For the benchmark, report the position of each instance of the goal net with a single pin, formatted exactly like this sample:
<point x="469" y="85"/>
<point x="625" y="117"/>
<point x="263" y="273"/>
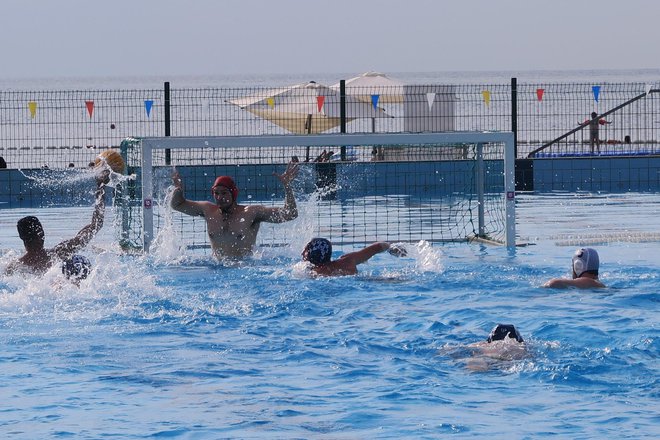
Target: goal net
<point x="350" y="188"/>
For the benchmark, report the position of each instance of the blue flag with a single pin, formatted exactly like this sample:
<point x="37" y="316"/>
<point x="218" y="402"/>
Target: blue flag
<point x="147" y="106"/>
<point x="374" y="100"/>
<point x="596" y="90"/>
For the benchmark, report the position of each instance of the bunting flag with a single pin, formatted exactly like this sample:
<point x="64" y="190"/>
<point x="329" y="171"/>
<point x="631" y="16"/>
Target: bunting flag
<point x="539" y="94"/>
<point x="648" y="89"/>
<point x="147" y="107"/>
<point x="33" y="109"/>
<point x="596" y="90"/>
<point x="90" y="107"/>
<point x="319" y="102"/>
<point x="486" y="96"/>
<point x="374" y="101"/>
<point x="271" y="102"/>
<point x="430" y="98"/>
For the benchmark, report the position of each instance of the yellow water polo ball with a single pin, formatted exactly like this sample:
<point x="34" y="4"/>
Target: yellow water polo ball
<point x="112" y="158"/>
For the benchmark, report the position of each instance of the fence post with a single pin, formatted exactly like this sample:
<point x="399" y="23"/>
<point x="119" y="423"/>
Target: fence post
<point x="342" y="115"/>
<point x="514" y="115"/>
<point x="168" y="157"/>
<point x="524" y="168"/>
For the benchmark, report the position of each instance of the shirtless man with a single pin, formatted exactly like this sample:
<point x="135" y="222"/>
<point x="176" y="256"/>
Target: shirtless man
<point x="37" y="258"/>
<point x="319" y="252"/>
<point x="585" y="272"/>
<point x="233" y="228"/>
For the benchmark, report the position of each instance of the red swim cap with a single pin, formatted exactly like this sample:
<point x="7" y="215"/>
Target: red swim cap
<point x="228" y="183"/>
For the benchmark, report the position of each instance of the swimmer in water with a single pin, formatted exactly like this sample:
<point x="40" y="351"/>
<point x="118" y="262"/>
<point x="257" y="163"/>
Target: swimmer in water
<point x="318" y="252"/>
<point x="37" y="259"/>
<point x="584" y="266"/>
<point x="503" y="345"/>
<point x="233" y="228"/>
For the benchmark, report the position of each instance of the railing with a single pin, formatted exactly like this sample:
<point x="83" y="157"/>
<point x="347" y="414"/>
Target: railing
<point x="595" y="124"/>
<point x="60" y="129"/>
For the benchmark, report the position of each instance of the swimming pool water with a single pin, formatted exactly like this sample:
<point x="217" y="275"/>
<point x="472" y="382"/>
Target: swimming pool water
<point x="182" y="347"/>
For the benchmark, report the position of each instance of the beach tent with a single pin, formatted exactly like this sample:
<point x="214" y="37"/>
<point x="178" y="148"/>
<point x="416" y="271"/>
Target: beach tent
<point x="306" y="108"/>
<point x="370" y="84"/>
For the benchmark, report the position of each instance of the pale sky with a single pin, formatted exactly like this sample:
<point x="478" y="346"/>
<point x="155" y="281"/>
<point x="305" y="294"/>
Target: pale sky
<point x="73" y="38"/>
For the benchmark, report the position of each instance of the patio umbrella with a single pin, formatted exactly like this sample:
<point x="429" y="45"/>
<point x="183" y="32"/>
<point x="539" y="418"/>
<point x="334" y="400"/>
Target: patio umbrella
<point x="370" y="84"/>
<point x="306" y="108"/>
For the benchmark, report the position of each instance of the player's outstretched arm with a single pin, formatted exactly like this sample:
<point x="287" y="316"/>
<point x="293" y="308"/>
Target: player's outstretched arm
<point x="179" y="202"/>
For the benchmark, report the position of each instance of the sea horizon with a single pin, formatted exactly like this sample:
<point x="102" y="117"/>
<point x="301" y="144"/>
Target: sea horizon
<point x="236" y="80"/>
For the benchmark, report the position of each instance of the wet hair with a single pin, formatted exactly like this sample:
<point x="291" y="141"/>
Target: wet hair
<point x="318" y="251"/>
<point x="77" y="267"/>
<point x="585" y="260"/>
<point x="501" y="331"/>
<point x="29" y="228"/>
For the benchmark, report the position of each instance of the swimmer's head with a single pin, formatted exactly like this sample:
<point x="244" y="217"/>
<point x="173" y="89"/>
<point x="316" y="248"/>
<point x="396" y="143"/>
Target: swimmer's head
<point x="593" y="115"/>
<point x="502" y="331"/>
<point x="29" y="229"/>
<point x="76" y="267"/>
<point x="228" y="183"/>
<point x="585" y="260"/>
<point x="318" y="251"/>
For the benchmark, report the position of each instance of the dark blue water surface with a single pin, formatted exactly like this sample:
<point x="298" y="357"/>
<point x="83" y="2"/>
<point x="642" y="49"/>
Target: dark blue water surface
<point x="181" y="347"/>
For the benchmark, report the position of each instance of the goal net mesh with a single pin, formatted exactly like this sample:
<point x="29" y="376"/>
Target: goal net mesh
<point x="354" y="194"/>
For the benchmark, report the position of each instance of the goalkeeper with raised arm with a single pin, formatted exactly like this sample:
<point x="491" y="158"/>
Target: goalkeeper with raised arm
<point x="233" y="228"/>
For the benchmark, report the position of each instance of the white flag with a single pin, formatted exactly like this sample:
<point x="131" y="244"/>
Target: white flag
<point x="430" y="97"/>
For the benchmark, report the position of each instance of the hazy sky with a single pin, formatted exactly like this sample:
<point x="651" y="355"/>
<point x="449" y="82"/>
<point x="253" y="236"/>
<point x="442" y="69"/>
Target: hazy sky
<point x="45" y="38"/>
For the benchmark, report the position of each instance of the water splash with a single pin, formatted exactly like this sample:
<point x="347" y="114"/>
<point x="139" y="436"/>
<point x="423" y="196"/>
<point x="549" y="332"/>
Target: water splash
<point x="427" y="258"/>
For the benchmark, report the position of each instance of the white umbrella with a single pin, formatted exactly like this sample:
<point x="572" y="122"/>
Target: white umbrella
<point x="306" y="108"/>
<point x="370" y="84"/>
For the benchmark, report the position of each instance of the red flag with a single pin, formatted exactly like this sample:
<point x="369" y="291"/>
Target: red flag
<point x="539" y="94"/>
<point x="90" y="107"/>
<point x="319" y="102"/>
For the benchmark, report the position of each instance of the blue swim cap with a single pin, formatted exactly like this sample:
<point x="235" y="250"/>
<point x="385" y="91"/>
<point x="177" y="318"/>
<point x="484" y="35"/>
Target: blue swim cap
<point x="585" y="260"/>
<point x="501" y="331"/>
<point x="76" y="267"/>
<point x="318" y="251"/>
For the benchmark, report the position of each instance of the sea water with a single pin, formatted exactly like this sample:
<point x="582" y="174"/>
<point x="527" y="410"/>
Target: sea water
<point x="594" y="76"/>
<point x="180" y="346"/>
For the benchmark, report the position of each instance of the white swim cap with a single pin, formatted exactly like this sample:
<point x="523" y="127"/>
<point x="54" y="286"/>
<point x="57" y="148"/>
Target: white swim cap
<point x="585" y="259"/>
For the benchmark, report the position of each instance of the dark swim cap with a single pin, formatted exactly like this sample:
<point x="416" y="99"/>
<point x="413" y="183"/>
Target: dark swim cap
<point x="76" y="267"/>
<point x="501" y="331"/>
<point x="318" y="251"/>
<point x="30" y="228"/>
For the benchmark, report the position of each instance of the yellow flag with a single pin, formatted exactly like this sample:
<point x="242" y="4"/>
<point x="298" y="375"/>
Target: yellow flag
<point x="271" y="102"/>
<point x="33" y="109"/>
<point x="486" y="95"/>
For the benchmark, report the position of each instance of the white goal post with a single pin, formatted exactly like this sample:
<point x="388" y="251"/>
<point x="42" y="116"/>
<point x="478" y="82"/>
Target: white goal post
<point x="150" y="145"/>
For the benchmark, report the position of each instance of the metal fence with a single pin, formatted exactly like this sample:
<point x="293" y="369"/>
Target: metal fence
<point x="61" y="129"/>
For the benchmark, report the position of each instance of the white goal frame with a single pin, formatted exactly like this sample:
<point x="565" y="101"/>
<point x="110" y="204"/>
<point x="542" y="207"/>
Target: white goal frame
<point x="149" y="144"/>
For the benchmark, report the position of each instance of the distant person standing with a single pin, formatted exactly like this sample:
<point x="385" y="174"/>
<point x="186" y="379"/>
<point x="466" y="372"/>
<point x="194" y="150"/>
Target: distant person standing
<point x="594" y="130"/>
